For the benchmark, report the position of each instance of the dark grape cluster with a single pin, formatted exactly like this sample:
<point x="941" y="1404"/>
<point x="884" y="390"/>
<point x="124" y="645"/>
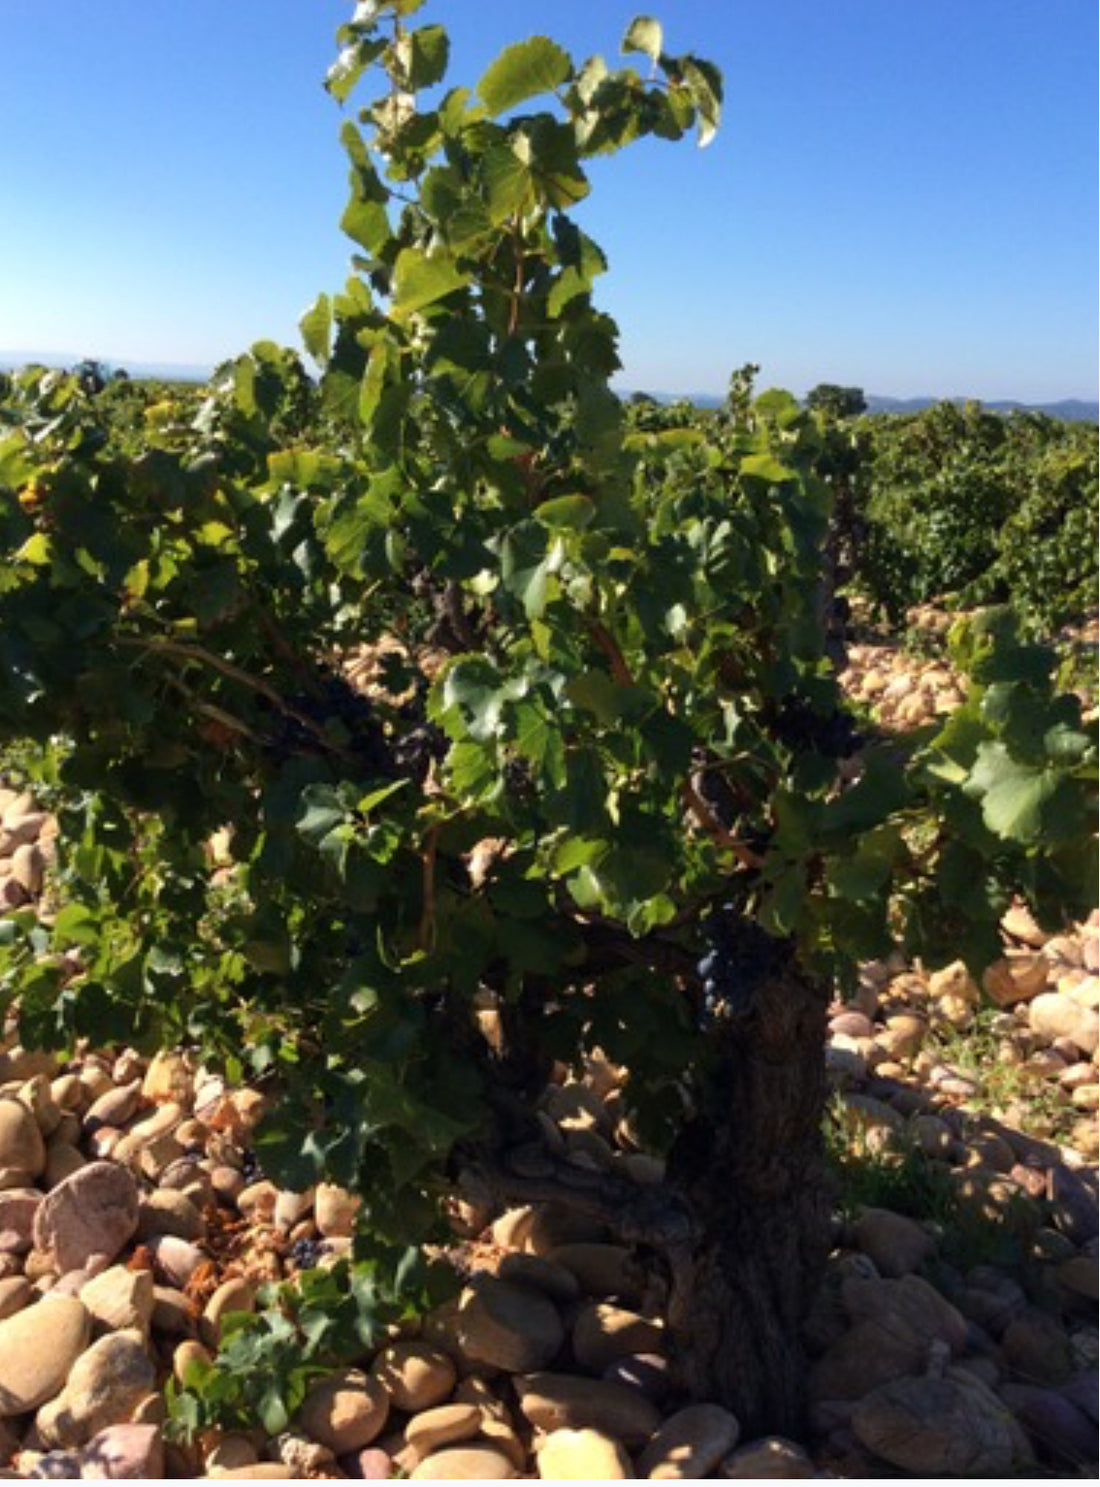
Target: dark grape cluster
<point x="305" y="1253"/>
<point x="798" y="725"/>
<point x="417" y="749"/>
<point x="518" y="784"/>
<point x="719" y="797"/>
<point x="740" y="957"/>
<point x="251" y="1170"/>
<point x="333" y="701"/>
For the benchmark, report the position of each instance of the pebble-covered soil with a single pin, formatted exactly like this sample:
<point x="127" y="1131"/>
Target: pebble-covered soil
<point x="955" y="1333"/>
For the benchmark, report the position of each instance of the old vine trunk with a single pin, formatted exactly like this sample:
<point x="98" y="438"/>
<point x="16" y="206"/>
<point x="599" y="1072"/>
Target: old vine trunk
<point x="751" y="1169"/>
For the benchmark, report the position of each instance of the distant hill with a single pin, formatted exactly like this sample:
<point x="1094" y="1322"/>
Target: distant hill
<point x="164" y="371"/>
<point x="1074" y="410"/>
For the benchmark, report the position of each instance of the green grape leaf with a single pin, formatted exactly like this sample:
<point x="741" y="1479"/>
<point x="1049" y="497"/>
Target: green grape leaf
<point x="522" y="71"/>
<point x="644" y="34"/>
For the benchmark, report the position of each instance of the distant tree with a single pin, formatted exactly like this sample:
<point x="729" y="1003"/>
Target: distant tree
<point x="93" y="375"/>
<point x="120" y="374"/>
<point x="837" y="402"/>
<point x="643" y="399"/>
<point x="742" y="381"/>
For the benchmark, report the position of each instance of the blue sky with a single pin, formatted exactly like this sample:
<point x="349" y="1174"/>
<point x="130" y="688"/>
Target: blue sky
<point x="902" y="196"/>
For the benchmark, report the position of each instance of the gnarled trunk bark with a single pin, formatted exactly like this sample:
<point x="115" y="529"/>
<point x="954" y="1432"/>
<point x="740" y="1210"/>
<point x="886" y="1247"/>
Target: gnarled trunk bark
<point x="750" y="1168"/>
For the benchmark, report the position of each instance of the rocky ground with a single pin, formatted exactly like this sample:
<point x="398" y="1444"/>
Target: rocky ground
<point x="955" y="1333"/>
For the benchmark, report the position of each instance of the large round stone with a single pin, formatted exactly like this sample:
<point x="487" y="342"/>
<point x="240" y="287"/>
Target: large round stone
<point x="93" y="1212"/>
<point x="414" y="1375"/>
<point x="508" y="1326"/>
<point x="464" y="1464"/>
<point x="22" y="1149"/>
<point x="104" y="1387"/>
<point x="345" y="1412"/>
<point x="691" y="1443"/>
<point x="38" y="1347"/>
<point x="950" y="1427"/>
<point x="603" y="1333"/>
<point x="558" y="1401"/>
<point x="583" y="1456"/>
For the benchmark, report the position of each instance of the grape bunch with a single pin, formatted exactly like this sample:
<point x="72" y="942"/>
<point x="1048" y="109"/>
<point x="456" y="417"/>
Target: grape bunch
<point x="739" y="958"/>
<point x="333" y="701"/>
<point x="416" y="750"/>
<point x="305" y="1253"/>
<point x="802" y="728"/>
<point x="251" y="1170"/>
<point x="518" y="785"/>
<point x="718" y="796"/>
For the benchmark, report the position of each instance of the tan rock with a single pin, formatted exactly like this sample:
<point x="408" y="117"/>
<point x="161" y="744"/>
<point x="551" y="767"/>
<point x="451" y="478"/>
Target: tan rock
<point x="167" y="1211"/>
<point x="602" y="1333"/>
<point x="169" y="1079"/>
<point x="18" y="1207"/>
<point x="231" y="1451"/>
<point x="119" y="1298"/>
<point x="1015" y="978"/>
<point x="903" y="1035"/>
<point x="511" y="1229"/>
<point x="601" y="1269"/>
<point x="259" y="1471"/>
<point x="508" y="1326"/>
<point x="291" y="1208"/>
<point x="952" y="1427"/>
<point x="1020" y="923"/>
<point x="114" y="1105"/>
<point x="540" y="1274"/>
<point x="345" y="1411"/>
<point x="62" y="1160"/>
<point x="150" y="1129"/>
<point x="553" y="1225"/>
<point x="444" y="1425"/>
<point x="38" y="1347"/>
<point x="22" y="1149"/>
<point x="93" y="1212"/>
<point x="414" y="1375"/>
<point x="28" y="868"/>
<point x="897" y="1244"/>
<point x="173" y="1314"/>
<point x="690" y="1443"/>
<point x="769" y="1458"/>
<point x="15" y="1294"/>
<point x="894" y="1325"/>
<point x="584" y="1456"/>
<point x="1058" y="1015"/>
<point x="555" y="1401"/>
<point x="257" y="1201"/>
<point x="104" y="1387"/>
<point x="37" y="1095"/>
<point x="233" y="1295"/>
<point x="186" y="1356"/>
<point x="464" y="1463"/>
<point x="334" y="1210"/>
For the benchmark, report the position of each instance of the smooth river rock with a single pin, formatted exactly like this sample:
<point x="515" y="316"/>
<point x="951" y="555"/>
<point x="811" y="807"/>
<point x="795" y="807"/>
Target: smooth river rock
<point x="92" y="1213"/>
<point x="508" y="1326"/>
<point x="558" y="1401"/>
<point x="949" y="1427"/>
<point x="104" y="1387"/>
<point x="38" y="1347"/>
<point x="583" y="1456"/>
<point x="690" y="1443"/>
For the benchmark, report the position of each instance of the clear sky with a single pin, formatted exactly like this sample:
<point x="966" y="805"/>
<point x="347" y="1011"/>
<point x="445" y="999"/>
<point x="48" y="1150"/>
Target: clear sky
<point x="902" y="196"/>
